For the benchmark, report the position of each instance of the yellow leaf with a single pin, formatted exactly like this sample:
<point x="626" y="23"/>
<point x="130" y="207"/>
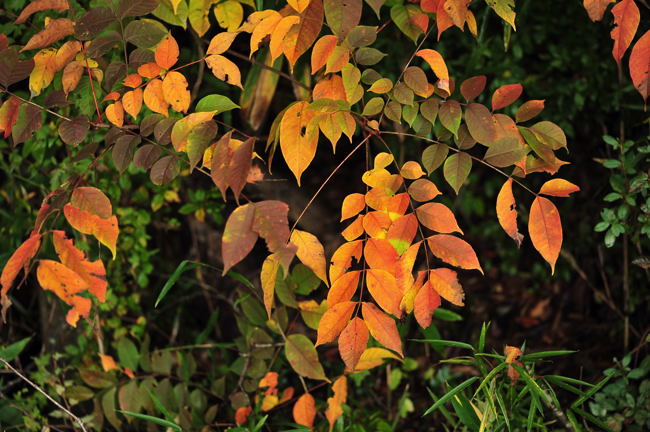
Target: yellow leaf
<point x="132" y="102"/>
<point x="154" y="97"/>
<point x="104" y="229"/>
<point x="310" y="252"/>
<point x="43" y="73"/>
<point x="298" y="5"/>
<point x="298" y="138"/>
<point x="373" y="357"/>
<point x="175" y="91"/>
<point x="229" y="14"/>
<point x="115" y="113"/>
<point x="268" y="277"/>
<point x="221" y="43"/>
<point x="322" y="50"/>
<point x="66" y="284"/>
<point x="304" y="410"/>
<point x="224" y="69"/>
<point x="198" y="15"/>
<point x="263" y="29"/>
<point x="280" y="31"/>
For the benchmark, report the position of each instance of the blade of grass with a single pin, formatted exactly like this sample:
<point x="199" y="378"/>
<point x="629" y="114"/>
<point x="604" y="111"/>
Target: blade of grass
<point x="152" y="419"/>
<point x="450" y="394"/>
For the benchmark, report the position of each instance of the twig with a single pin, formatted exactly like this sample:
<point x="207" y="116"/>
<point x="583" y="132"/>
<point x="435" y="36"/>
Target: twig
<point x="40" y="390"/>
<point x="269" y="68"/>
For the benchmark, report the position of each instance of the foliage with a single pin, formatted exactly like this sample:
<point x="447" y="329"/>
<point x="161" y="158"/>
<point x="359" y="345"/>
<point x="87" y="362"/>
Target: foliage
<point x="114" y="81"/>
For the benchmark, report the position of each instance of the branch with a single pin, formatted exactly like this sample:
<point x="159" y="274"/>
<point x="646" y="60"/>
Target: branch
<point x="40" y="390"/>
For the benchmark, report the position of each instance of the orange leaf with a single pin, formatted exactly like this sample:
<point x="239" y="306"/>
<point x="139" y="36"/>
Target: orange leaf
<point x="353" y="204"/>
<point x="545" y="229"/>
<point x="382" y="327"/>
<point x="445" y="282"/>
<point x="175" y="91"/>
<point x="425" y="304"/>
<point x="411" y="170"/>
<point x="241" y="415"/>
<point x="269" y="380"/>
<point x="41" y="5"/>
<point x="298" y="137"/>
<point x="154" y="97"/>
<point x="132" y="102"/>
<point x="342" y="258"/>
<point x="231" y="163"/>
<point x="353" y="341"/>
<point x="238" y="236"/>
<point x="310" y="252"/>
<point x="329" y="88"/>
<point x="104" y="229"/>
<point x="383" y="288"/>
<point x="423" y="190"/>
<point x="72" y="74"/>
<point x="108" y="363"/>
<point x="304" y="410"/>
<point x="166" y="54"/>
<point x="67" y="51"/>
<point x="404" y="268"/>
<point x="376" y="224"/>
<point x="224" y="69"/>
<point x="558" y="187"/>
<point x="20" y="259"/>
<point x="133" y="80"/>
<point x="279" y="33"/>
<point x="9" y="115"/>
<point x="506" y="95"/>
<point x="507" y="212"/>
<point x="528" y="110"/>
<point x="322" y="51"/>
<point x="115" y="113"/>
<point x="298" y="5"/>
<point x="437" y="217"/>
<point x="402" y="232"/>
<point x="344" y="288"/>
<point x="626" y="21"/>
<point x="54" y="31"/>
<point x="640" y="65"/>
<point x="221" y="43"/>
<point x="340" y="388"/>
<point x="454" y="251"/>
<point x="149" y="70"/>
<point x="380" y="254"/>
<point x="438" y="66"/>
<point x="596" y="8"/>
<point x="302" y="36"/>
<point x="457" y="11"/>
<point x="65" y="283"/>
<point x="334" y="321"/>
<point x="264" y="28"/>
<point x="354" y="230"/>
<point x="92" y="272"/>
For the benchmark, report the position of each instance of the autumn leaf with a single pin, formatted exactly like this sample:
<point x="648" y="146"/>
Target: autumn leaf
<point x="445" y="282"/>
<point x="507" y="212"/>
<point x="427" y="300"/>
<point x="454" y="251"/>
<point x="437" y="217"/>
<point x="115" y="113"/>
<point x="263" y="28"/>
<point x="41" y="5"/>
<point x="334" y="409"/>
<point x="224" y="69"/>
<point x="545" y="229"/>
<point x="175" y="92"/>
<point x="66" y="284"/>
<point x="344" y="288"/>
<point x="154" y="97"/>
<point x="43" y="72"/>
<point x="373" y="357"/>
<point x="480" y="123"/>
<point x="241" y="414"/>
<point x="9" y="115"/>
<point x="456" y="169"/>
<point x="166" y="54"/>
<point x="279" y="33"/>
<point x="231" y="163"/>
<point x="310" y="252"/>
<point x="640" y="65"/>
<point x="438" y="66"/>
<point x="132" y="102"/>
<point x="304" y="410"/>
<point x="303" y="358"/>
<point x="354" y="230"/>
<point x="334" y="321"/>
<point x="149" y="70"/>
<point x="108" y="363"/>
<point x="626" y="21"/>
<point x="54" y="31"/>
<point x="322" y="50"/>
<point x="353" y="341"/>
<point x="423" y="190"/>
<point x="506" y="95"/>
<point x="558" y="187"/>
<point x="268" y="277"/>
<point x="596" y="8"/>
<point x="298" y="137"/>
<point x="472" y="87"/>
<point x="383" y="288"/>
<point x="302" y="35"/>
<point x="528" y="110"/>
<point x="505" y="9"/>
<point x="229" y="14"/>
<point x="382" y="327"/>
<point x="105" y="230"/>
<point x="20" y="259"/>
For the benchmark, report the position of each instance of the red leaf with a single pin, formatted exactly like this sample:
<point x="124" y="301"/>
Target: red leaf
<point x="545" y="229"/>
<point x="505" y="95"/>
<point x="626" y="21"/>
<point x="454" y="251"/>
<point x="20" y="259"/>
<point x="507" y="212"/>
<point x="640" y="65"/>
<point x="353" y="341"/>
<point x="426" y="302"/>
<point x="382" y="327"/>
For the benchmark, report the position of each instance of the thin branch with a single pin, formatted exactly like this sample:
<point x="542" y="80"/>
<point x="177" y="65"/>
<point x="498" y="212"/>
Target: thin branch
<point x="479" y="160"/>
<point x="269" y="68"/>
<point x="40" y="390"/>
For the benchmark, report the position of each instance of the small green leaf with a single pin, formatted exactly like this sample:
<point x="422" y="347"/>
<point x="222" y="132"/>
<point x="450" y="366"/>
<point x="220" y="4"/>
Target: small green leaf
<point x="152" y="419"/>
<point x="451" y="393"/>
<point x="216" y="103"/>
<point x="12" y="351"/>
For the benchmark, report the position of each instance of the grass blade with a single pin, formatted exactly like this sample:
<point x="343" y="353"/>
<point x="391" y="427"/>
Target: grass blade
<point x="152" y="419"/>
<point x="450" y="394"/>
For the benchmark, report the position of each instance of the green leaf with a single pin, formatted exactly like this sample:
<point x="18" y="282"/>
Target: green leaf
<point x="544" y="354"/>
<point x="402" y="16"/>
<point x="12" y="351"/>
<point x="450" y="114"/>
<point x="216" y="103"/>
<point x="451" y="393"/>
<point x="443" y="342"/>
<point x="152" y="419"/>
<point x="127" y="353"/>
<point x="184" y="266"/>
<point x="456" y="170"/>
<point x="303" y="358"/>
<point x="434" y="155"/>
<point x="446" y="315"/>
